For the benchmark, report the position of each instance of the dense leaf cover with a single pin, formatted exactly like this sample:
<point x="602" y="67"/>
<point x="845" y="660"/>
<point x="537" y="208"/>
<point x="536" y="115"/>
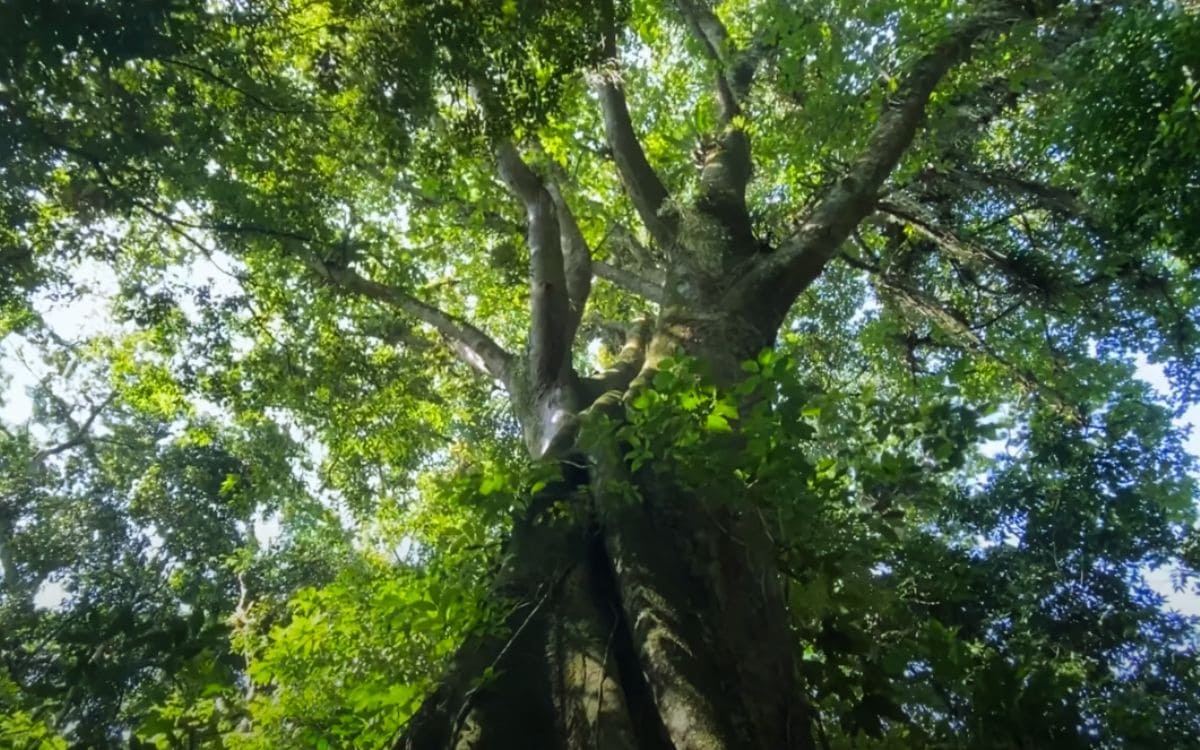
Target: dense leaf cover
<point x="273" y="496"/>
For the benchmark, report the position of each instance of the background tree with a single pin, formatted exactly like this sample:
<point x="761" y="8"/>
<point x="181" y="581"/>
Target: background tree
<point x="642" y="354"/>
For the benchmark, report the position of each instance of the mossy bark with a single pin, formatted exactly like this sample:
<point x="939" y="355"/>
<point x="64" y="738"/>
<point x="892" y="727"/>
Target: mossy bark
<point x="651" y="620"/>
<point x="648" y="627"/>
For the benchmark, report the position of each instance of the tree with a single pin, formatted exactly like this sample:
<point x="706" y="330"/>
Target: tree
<point x="688" y="317"/>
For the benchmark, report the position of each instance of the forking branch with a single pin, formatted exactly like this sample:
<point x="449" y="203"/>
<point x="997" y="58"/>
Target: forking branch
<point x="774" y="283"/>
<point x="577" y="257"/>
<point x="635" y="283"/>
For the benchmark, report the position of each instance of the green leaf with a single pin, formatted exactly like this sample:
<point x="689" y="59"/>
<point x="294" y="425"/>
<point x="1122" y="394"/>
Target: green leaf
<point x="717" y="423"/>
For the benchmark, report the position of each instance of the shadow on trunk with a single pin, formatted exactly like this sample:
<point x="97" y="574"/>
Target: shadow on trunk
<point x="644" y="624"/>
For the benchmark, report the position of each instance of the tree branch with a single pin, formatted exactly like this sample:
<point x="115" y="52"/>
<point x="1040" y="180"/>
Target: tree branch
<point x="1044" y="280"/>
<point x="952" y="324"/>
<point x="650" y="289"/>
<point x="79" y="434"/>
<point x="248" y="95"/>
<point x="642" y="184"/>
<point x="955" y="326"/>
<point x="725" y="164"/>
<point x="735" y="69"/>
<point x="461" y="210"/>
<point x="954" y="246"/>
<point x="553" y="321"/>
<point x="625" y="243"/>
<point x="471" y="345"/>
<point x="602" y="391"/>
<point x="779" y="279"/>
<point x="1056" y="199"/>
<point x="577" y="257"/>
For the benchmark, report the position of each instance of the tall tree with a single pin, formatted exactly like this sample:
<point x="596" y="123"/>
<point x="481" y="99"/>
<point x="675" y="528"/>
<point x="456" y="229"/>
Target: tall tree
<point x="744" y="283"/>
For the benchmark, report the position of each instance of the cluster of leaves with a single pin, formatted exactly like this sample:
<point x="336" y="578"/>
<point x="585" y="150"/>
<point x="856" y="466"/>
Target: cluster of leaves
<point x="127" y="534"/>
<point x="172" y="578"/>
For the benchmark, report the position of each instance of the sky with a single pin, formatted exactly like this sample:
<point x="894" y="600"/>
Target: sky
<point x="88" y="315"/>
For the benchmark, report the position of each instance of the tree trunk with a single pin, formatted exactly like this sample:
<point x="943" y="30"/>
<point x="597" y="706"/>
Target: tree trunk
<point x="655" y="623"/>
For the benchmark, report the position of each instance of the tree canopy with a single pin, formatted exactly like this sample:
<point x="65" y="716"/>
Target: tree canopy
<point x="320" y="309"/>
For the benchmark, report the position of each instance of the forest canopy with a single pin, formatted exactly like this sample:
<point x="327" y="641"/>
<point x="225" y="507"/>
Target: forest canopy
<point x="647" y="374"/>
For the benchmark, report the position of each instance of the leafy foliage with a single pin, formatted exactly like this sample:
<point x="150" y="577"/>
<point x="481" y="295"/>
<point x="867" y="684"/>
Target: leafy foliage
<point x="251" y="506"/>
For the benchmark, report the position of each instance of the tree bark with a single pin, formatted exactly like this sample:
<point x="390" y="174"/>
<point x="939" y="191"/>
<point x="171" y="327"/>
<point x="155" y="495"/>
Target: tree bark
<point x="651" y="626"/>
<point x="648" y="620"/>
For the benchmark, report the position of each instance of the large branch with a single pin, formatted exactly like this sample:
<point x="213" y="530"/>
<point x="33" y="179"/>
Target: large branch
<point x="460" y="209"/>
<point x="772" y="286"/>
<point x="1056" y="199"/>
<point x="1044" y="279"/>
<point x="642" y="184"/>
<point x="79" y="432"/>
<point x="726" y="164"/>
<point x="650" y="289"/>
<point x="956" y="327"/>
<point x="553" y="322"/>
<point x="471" y="345"/>
<point x="926" y="228"/>
<point x="577" y="256"/>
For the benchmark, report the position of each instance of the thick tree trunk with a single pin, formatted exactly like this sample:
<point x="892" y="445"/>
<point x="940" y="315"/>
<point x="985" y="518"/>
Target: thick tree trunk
<point x="654" y="626"/>
<point x="650" y="624"/>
